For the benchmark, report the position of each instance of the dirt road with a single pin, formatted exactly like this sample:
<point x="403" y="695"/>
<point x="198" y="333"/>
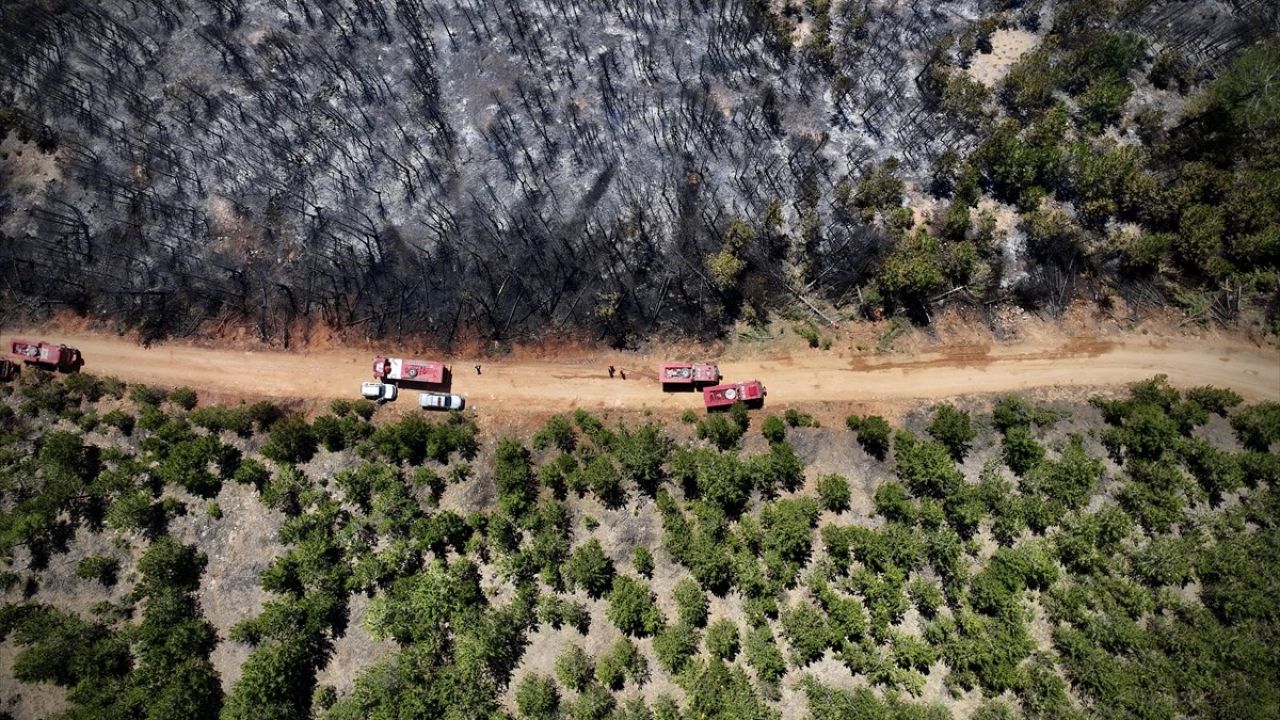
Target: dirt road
<point x="800" y="379"/>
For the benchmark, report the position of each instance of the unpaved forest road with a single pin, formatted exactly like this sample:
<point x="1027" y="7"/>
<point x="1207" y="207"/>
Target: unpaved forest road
<point x="793" y="379"/>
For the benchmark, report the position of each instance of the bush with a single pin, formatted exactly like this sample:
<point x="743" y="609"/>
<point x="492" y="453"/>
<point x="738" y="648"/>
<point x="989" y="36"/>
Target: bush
<point x="119" y="420"/>
<point x="1009" y="571"/>
<point x="251" y="472"/>
<point x="833" y="491"/>
<point x="892" y="502"/>
<point x="642" y="560"/>
<point x="722" y="639"/>
<point x="264" y="414"/>
<point x="807" y="632"/>
<point x="1215" y="400"/>
<point x="953" y="429"/>
<point x="691" y="602"/>
<point x="763" y="655"/>
<point x="926" y="595"/>
<point x="593" y="703"/>
<point x="795" y="418"/>
<point x="184" y="397"/>
<point x="1016" y="411"/>
<point x="675" y="646"/>
<point x="517" y="486"/>
<point x="623" y="661"/>
<point x="720" y="430"/>
<point x="1257" y="426"/>
<point x="143" y="395"/>
<point x="99" y="567"/>
<point x="574" y="669"/>
<point x="215" y="419"/>
<point x="558" y="433"/>
<point x="590" y="569"/>
<point x="773" y="429"/>
<point x="537" y="698"/>
<point x="873" y="434"/>
<point x="925" y="467"/>
<point x="559" y="613"/>
<point x="1021" y="450"/>
<point x="291" y="441"/>
<point x="632" y="607"/>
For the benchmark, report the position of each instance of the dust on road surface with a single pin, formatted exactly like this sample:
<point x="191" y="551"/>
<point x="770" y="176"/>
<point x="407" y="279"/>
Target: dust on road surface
<point x="793" y="379"/>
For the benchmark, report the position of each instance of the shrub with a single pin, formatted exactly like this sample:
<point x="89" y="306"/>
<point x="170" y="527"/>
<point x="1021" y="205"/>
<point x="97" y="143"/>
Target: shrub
<point x="1021" y="450"/>
<point x="642" y="560"/>
<point x="787" y="526"/>
<point x="632" y="607"/>
<point x="795" y="418"/>
<point x="119" y="420"/>
<point x="773" y="429"/>
<point x="184" y="397"/>
<point x="573" y="667"/>
<point x="926" y="595"/>
<point x="925" y="467"/>
<point x="559" y="613"/>
<point x="144" y="395"/>
<point x="722" y="639"/>
<point x="641" y="454"/>
<point x="1016" y="411"/>
<point x="99" y="567"/>
<point x="513" y="475"/>
<point x="720" y="430"/>
<point x="593" y="703"/>
<point x="291" y="441"/>
<point x="623" y="661"/>
<point x="251" y="472"/>
<point x="589" y="568"/>
<point x="1215" y="400"/>
<point x="1009" y="571"/>
<point x="691" y="602"/>
<point x="892" y="502"/>
<point x="833" y="491"/>
<point x="215" y="419"/>
<point x="763" y="655"/>
<point x="325" y="697"/>
<point x="1257" y="426"/>
<point x="558" y="433"/>
<point x="778" y="468"/>
<point x="675" y="646"/>
<point x="953" y="429"/>
<point x="873" y="434"/>
<point x="264" y="414"/>
<point x="150" y="418"/>
<point x="807" y="633"/>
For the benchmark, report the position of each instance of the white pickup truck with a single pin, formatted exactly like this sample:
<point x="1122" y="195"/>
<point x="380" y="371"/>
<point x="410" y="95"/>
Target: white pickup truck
<point x="441" y="401"/>
<point x="378" y="392"/>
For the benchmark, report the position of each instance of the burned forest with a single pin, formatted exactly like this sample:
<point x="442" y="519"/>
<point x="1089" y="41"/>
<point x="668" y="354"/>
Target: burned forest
<point x="506" y="170"/>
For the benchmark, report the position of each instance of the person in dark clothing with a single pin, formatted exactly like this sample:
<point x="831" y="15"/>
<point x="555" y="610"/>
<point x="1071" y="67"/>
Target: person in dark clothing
<point x="477" y="369"/>
<point x="623" y="373"/>
<point x="611" y="371"/>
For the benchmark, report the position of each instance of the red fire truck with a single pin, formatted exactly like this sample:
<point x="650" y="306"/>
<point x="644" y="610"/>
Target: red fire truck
<point x="678" y="374"/>
<point x="46" y="355"/>
<point x="396" y="369"/>
<point x="751" y="392"/>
